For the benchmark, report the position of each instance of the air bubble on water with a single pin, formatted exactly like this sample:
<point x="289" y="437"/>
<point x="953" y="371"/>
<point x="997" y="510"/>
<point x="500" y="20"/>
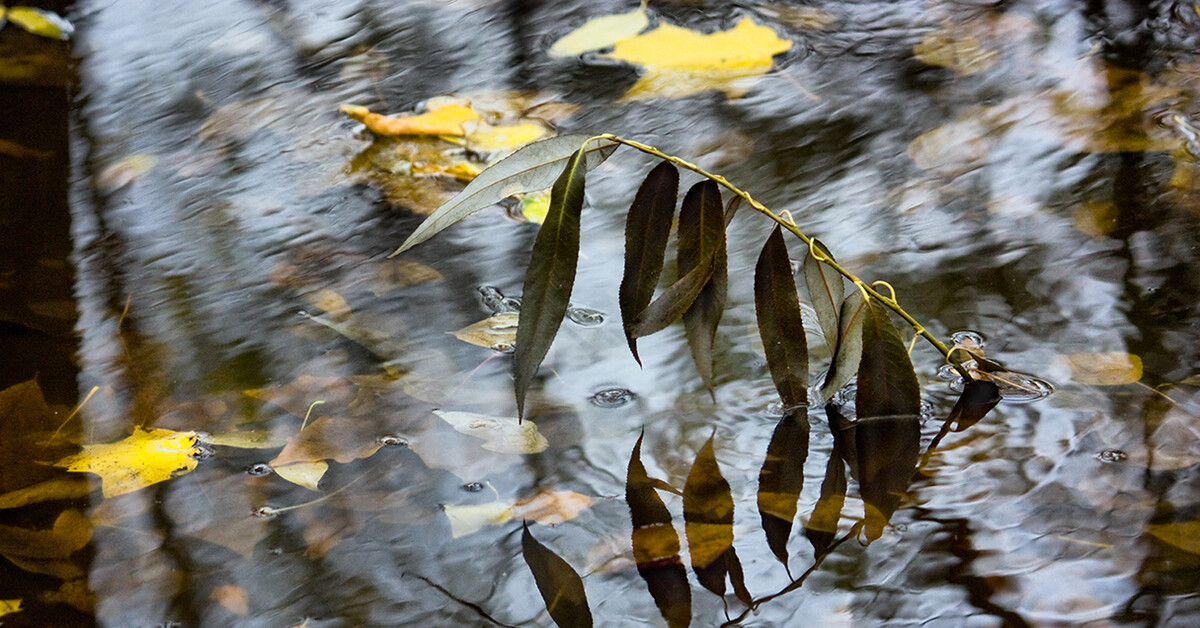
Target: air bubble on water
<point x="392" y="440"/>
<point x="473" y="487"/>
<point x="585" y="316"/>
<point x="612" y="397"/>
<point x="1111" y="456"/>
<point x="260" y="468"/>
<point x="265" y="512"/>
<point x="968" y="336"/>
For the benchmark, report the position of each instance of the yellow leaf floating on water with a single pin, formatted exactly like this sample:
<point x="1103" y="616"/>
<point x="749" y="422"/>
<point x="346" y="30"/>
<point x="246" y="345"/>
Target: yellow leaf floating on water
<point x="143" y="458"/>
<point x="680" y="62"/>
<point x="487" y="138"/>
<point x="498" y="332"/>
<point x="1105" y="369"/>
<point x="40" y="22"/>
<point x="601" y="32"/>
<point x="546" y="508"/>
<point x="8" y="607"/>
<point x="466" y="520"/>
<point x="306" y="474"/>
<point x="504" y="435"/>
<point x="444" y="120"/>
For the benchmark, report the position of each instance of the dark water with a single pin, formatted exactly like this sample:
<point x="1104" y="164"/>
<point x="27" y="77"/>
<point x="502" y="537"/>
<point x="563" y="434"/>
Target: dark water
<point x="192" y="187"/>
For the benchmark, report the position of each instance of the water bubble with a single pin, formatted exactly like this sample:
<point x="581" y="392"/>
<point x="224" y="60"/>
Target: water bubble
<point x="510" y="304"/>
<point x="585" y="316"/>
<point x="503" y="347"/>
<point x="260" y="468"/>
<point x="392" y="440"/>
<point x="472" y="487"/>
<point x="1112" y="455"/>
<point x="968" y="336"/>
<point x="264" y="512"/>
<point x="612" y="397"/>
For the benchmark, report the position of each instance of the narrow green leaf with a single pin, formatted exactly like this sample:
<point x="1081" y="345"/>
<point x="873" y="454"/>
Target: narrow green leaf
<point x="822" y="524"/>
<point x="848" y="348"/>
<point x="656" y="544"/>
<point x="560" y="586"/>
<point x="532" y="167"/>
<point x="887" y="384"/>
<point x="826" y="289"/>
<point x="887" y="449"/>
<point x="708" y="519"/>
<point x="550" y="276"/>
<point x="646" y="230"/>
<point x="674" y="301"/>
<point x="777" y="307"/>
<point x="701" y="237"/>
<point x="782" y="478"/>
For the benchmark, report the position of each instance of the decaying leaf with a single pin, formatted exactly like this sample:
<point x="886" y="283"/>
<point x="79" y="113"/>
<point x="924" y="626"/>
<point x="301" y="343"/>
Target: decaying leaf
<point x="466" y="520"/>
<point x="1113" y="368"/>
<point x="306" y="474"/>
<point x="125" y="171"/>
<point x="445" y="120"/>
<point x="560" y="586"/>
<point x="679" y="62"/>
<point x="48" y="551"/>
<point x="960" y="52"/>
<point x="249" y="439"/>
<point x="601" y="32"/>
<point x="232" y="598"/>
<point x="143" y="458"/>
<point x="552" y="507"/>
<point x="1182" y="534"/>
<point x="506" y="435"/>
<point x="497" y="332"/>
<point x="331" y="438"/>
<point x="50" y="490"/>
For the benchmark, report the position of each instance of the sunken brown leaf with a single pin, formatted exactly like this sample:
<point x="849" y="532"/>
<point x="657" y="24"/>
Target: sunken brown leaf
<point x="646" y="229"/>
<point x="561" y="588"/>
<point x="777" y="307"/>
<point x="550" y="276"/>
<point x="656" y="544"/>
<point x="701" y="237"/>
<point x="782" y="478"/>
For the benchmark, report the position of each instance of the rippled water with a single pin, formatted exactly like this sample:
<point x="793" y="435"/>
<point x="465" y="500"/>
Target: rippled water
<point x="199" y="189"/>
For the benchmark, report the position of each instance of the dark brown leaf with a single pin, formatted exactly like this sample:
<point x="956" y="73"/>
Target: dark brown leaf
<point x="779" y="322"/>
<point x="550" y="276"/>
<point x="848" y="348"/>
<point x="646" y="229"/>
<point x="782" y="478"/>
<point x="887" y="384"/>
<point x="656" y="544"/>
<point x="826" y="289"/>
<point x="701" y="237"/>
<point x="674" y="301"/>
<point x="977" y="399"/>
<point x="708" y="519"/>
<point x="887" y="448"/>
<point x="560" y="586"/>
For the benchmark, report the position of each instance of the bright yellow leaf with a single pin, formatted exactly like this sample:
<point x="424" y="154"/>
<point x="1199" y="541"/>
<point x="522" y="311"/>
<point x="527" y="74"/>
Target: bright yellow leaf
<point x="601" y="32"/>
<point x="8" y="607"/>
<point x="486" y="138"/>
<point x="1114" y="368"/>
<point x="141" y="459"/>
<point x="535" y="206"/>
<point x="680" y="62"/>
<point x="444" y="120"/>
<point x="41" y="22"/>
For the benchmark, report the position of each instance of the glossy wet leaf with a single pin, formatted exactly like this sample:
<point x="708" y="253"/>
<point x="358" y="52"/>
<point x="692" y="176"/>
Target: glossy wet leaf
<point x="887" y="449"/>
<point x="977" y="399"/>
<point x="782" y="478"/>
<point x="601" y="32"/>
<point x="647" y="226"/>
<point x="1114" y="368"/>
<point x="506" y="435"/>
<point x="678" y="62"/>
<point x="40" y="22"/>
<point x="826" y="290"/>
<point x="708" y="519"/>
<point x="561" y="588"/>
<point x="777" y="308"/>
<point x="497" y="332"/>
<point x="445" y="120"/>
<point x="331" y="438"/>
<point x="143" y="458"/>
<point x="550" y="276"/>
<point x="656" y="544"/>
<point x="887" y="383"/>
<point x="306" y="474"/>
<point x="848" y="350"/>
<point x="530" y="168"/>
<point x="701" y="237"/>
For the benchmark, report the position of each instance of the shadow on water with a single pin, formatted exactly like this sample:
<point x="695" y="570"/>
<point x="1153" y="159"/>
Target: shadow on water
<point x="173" y="192"/>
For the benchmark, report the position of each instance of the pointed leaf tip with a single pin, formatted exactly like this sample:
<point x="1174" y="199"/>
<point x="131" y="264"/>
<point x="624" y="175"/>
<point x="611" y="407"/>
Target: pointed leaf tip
<point x="560" y="586"/>
<point x="646" y="230"/>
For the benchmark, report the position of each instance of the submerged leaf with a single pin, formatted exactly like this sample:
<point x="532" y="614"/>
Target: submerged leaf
<point x="1114" y="368"/>
<point x="826" y="289"/>
<point x="848" y="350"/>
<point x="646" y="229"/>
<point x="679" y="62"/>
<point x="777" y="307"/>
<point x="306" y="474"/>
<point x="782" y="478"/>
<point x="532" y="167"/>
<point x="470" y="519"/>
<point x="601" y="32"/>
<point x="497" y="332"/>
<point x="702" y="237"/>
<point x="8" y="607"/>
<point x="330" y="438"/>
<point x="550" y="276"/>
<point x="656" y="544"/>
<point x="506" y="435"/>
<point x="143" y="458"/>
<point x="445" y="120"/>
<point x="561" y="588"/>
<point x="552" y="507"/>
<point x="887" y="383"/>
<point x="50" y="490"/>
<point x="1184" y="535"/>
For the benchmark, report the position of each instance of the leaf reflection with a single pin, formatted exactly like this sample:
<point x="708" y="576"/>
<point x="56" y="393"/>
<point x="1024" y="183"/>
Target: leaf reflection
<point x="708" y="516"/>
<point x="782" y="478"/>
<point x="656" y="544"/>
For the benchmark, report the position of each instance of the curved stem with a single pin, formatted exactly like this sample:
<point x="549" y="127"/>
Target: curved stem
<point x="869" y="291"/>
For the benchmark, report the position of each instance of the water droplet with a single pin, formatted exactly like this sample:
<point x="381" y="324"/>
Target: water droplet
<point x="1112" y="455"/>
<point x="265" y="512"/>
<point x="473" y="487"/>
<point x="968" y="336"/>
<point x="260" y="468"/>
<point x="392" y="440"/>
<point x="585" y="316"/>
<point x="612" y="397"/>
<point x="503" y="347"/>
